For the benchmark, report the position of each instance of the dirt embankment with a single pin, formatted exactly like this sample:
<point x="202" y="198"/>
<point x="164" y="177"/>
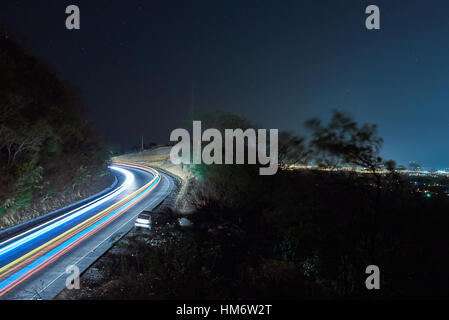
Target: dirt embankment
<point x="56" y="196"/>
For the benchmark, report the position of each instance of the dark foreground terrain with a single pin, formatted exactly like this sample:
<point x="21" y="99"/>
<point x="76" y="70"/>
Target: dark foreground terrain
<point x="303" y="234"/>
<point x="299" y="234"/>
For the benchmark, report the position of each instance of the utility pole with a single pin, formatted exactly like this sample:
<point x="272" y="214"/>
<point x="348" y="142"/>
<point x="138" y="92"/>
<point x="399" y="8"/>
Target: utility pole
<point x="142" y="143"/>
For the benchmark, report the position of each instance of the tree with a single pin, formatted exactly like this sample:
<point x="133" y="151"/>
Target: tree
<point x="19" y="141"/>
<point x="345" y="142"/>
<point x="292" y="149"/>
<point x="390" y="165"/>
<point x="42" y="125"/>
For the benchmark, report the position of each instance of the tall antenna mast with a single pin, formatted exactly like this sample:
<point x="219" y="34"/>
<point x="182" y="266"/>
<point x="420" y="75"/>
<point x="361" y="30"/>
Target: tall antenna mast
<point x="195" y="48"/>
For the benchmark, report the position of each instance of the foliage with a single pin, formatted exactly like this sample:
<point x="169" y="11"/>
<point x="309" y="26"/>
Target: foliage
<point x="43" y="134"/>
<point x="343" y="141"/>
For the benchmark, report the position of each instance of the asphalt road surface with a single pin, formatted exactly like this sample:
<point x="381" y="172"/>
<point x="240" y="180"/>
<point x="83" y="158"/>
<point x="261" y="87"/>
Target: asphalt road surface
<point x="34" y="262"/>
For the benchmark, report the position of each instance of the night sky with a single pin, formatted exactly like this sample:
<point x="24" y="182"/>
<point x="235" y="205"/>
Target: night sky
<point x="276" y="63"/>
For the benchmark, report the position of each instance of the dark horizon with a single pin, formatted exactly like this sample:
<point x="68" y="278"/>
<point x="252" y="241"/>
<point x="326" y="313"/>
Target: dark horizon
<point x="277" y="64"/>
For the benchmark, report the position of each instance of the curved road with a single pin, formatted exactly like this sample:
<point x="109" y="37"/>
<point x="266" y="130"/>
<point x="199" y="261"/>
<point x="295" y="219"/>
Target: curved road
<point x="33" y="263"/>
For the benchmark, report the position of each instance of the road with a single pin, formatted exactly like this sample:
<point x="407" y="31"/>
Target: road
<point x="33" y="263"/>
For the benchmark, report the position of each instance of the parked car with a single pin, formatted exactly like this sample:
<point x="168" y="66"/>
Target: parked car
<point x="143" y="220"/>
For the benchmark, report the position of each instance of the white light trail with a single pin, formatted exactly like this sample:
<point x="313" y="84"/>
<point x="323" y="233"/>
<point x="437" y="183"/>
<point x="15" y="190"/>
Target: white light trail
<point x="129" y="179"/>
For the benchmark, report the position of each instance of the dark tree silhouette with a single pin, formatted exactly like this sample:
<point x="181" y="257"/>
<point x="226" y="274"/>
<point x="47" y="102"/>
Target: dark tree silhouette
<point x="292" y="150"/>
<point x="43" y="131"/>
<point x="345" y="142"/>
